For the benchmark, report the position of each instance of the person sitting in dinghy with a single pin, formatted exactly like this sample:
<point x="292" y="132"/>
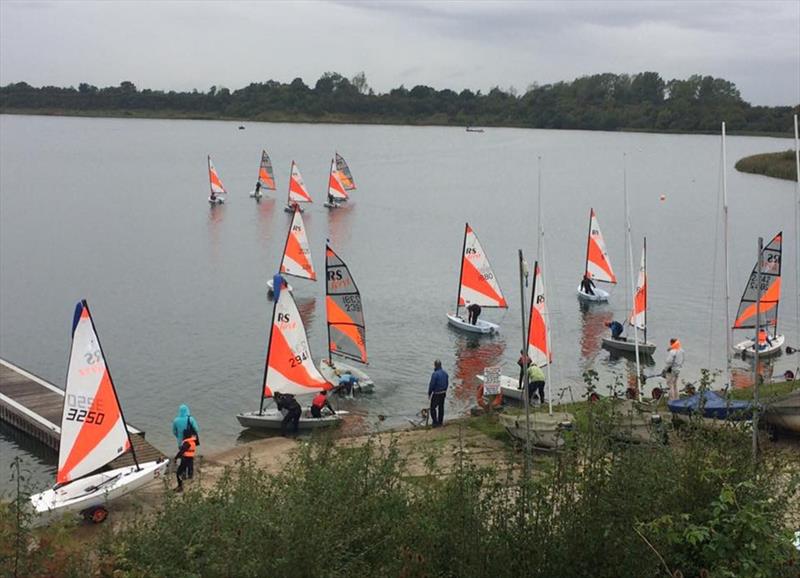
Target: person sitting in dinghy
<point x="763" y="339"/>
<point x="616" y="330"/>
<point x="258" y="188"/>
<point x="587" y="285"/>
<point x="320" y="402"/>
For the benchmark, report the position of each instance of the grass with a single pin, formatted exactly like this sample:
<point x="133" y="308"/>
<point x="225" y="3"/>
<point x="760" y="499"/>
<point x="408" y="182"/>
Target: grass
<point x="767" y="390"/>
<point x="778" y="165"/>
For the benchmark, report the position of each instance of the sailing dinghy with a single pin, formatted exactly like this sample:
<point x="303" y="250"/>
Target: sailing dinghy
<point x="336" y="192"/>
<point x="768" y="296"/>
<point x="296" y="260"/>
<point x="637" y="319"/>
<point x="218" y="191"/>
<point x="598" y="266"/>
<point x="344" y="174"/>
<point x="346" y="326"/>
<point x="266" y="176"/>
<point x="93" y="433"/>
<point x="298" y="193"/>
<point x="477" y="284"/>
<point x="289" y="369"/>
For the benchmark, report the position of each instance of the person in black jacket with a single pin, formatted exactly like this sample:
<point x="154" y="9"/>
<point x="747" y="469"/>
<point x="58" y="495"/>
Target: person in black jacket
<point x="287" y="402"/>
<point x="186" y="455"/>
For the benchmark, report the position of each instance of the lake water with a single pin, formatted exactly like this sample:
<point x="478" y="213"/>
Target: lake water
<point x="115" y="211"/>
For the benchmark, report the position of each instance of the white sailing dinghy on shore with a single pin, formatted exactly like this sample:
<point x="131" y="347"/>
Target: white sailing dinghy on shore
<point x="266" y="176"/>
<point x="346" y="326"/>
<point x="93" y="433"/>
<point x="477" y="284"/>
<point x="637" y="319"/>
<point x="336" y="192"/>
<point x="598" y="265"/>
<point x="298" y="193"/>
<point x="767" y="296"/>
<point x="289" y="369"/>
<point x="296" y="259"/>
<point x="218" y="192"/>
<point x="343" y="173"/>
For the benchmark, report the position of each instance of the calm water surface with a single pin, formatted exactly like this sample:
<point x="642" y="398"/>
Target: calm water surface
<point x="115" y="211"/>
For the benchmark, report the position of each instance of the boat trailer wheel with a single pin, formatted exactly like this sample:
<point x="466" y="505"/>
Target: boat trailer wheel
<point x="96" y="515"/>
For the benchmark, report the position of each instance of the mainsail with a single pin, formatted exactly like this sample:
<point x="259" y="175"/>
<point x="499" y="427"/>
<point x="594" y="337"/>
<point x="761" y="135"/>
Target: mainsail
<point x="770" y="290"/>
<point x="477" y="283"/>
<point x="266" y="176"/>
<point x="638" y="317"/>
<point x="296" y="259"/>
<point x="213" y="178"/>
<point x="335" y="187"/>
<point x="93" y="431"/>
<point x="346" y="328"/>
<point x="289" y="367"/>
<point x="538" y="343"/>
<point x="297" y="189"/>
<point x="344" y="174"/>
<point x="598" y="265"/>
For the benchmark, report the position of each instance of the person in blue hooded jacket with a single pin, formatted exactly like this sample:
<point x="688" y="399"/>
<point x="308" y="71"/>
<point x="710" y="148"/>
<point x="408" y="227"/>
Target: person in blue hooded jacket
<point x="182" y="422"/>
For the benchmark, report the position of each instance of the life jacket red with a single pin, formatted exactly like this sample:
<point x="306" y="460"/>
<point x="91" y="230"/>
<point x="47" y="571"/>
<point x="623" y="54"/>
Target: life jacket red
<point x="319" y="401"/>
<point x="192" y="441"/>
<point x="762" y="337"/>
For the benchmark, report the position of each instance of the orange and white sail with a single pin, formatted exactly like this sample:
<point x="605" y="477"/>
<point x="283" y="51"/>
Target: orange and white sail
<point x="638" y="316"/>
<point x="478" y="283"/>
<point x="213" y="178"/>
<point x="770" y="290"/>
<point x="93" y="432"/>
<point x="290" y="368"/>
<point x="298" y="192"/>
<point x="598" y="265"/>
<point x="538" y="331"/>
<point x="346" y="327"/>
<point x="344" y="174"/>
<point x="266" y="176"/>
<point x="335" y="186"/>
<point x="297" y="252"/>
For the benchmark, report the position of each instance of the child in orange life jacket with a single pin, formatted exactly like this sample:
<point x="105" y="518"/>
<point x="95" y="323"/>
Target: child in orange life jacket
<point x="186" y="454"/>
<point x="320" y="401"/>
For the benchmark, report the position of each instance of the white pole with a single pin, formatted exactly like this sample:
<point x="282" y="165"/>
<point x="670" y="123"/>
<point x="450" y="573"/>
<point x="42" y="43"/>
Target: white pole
<point x="728" y="345"/>
<point x="797" y="239"/>
<point x="630" y="275"/>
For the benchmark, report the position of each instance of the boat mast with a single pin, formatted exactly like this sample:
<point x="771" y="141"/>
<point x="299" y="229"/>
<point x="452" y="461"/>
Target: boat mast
<point x="797" y="235"/>
<point x="525" y="379"/>
<point x="630" y="276"/>
<point x="728" y="345"/>
<point x="461" y="271"/>
<point x="540" y="251"/>
<point x="588" y="242"/>
<point x="644" y="257"/>
<point x="210" y="187"/>
<point x="755" y="348"/>
<point x="269" y="345"/>
<point x="327" y="294"/>
<point x="113" y="388"/>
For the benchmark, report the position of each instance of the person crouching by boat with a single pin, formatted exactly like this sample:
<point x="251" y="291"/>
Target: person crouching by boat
<point x="616" y="330"/>
<point x="320" y="402"/>
<point x="437" y="392"/>
<point x="474" y="312"/>
<point x="186" y="455"/>
<point x="672" y="367"/>
<point x="347" y="381"/>
<point x="587" y="285"/>
<point x="292" y="411"/>
<point x="535" y="383"/>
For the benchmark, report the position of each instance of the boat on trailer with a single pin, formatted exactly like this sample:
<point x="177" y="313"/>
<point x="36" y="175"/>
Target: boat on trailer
<point x="298" y="193"/>
<point x="266" y="176"/>
<point x="289" y="369"/>
<point x="93" y="434"/>
<point x="765" y="294"/>
<point x="598" y="265"/>
<point x="296" y="259"/>
<point x="218" y="192"/>
<point x="347" y="336"/>
<point x="477" y="284"/>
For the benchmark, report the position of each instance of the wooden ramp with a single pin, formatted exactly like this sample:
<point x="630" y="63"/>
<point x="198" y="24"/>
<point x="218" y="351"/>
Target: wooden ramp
<point x="33" y="405"/>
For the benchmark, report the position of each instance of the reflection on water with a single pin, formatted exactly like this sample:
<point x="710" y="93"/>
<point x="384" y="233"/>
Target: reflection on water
<point x="593" y="325"/>
<point x="340" y="224"/>
<point x="473" y="355"/>
<point x="266" y="208"/>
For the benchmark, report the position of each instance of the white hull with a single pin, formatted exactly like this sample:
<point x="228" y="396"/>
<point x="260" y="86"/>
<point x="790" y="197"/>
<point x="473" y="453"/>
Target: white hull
<point x="271" y="287"/>
<point x="598" y="297"/>
<point x="645" y="347"/>
<point x="255" y="195"/>
<point x="290" y="209"/>
<point x="637" y="422"/>
<point x="482" y="327"/>
<point x="217" y="201"/>
<point x="95" y="490"/>
<point x="365" y="383"/>
<point x="784" y="412"/>
<point x="546" y="431"/>
<point x="334" y="205"/>
<point x="509" y="387"/>
<point x="271" y="419"/>
<point x="746" y="347"/>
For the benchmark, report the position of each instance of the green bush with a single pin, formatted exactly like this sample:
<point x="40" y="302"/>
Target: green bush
<point x="779" y="165"/>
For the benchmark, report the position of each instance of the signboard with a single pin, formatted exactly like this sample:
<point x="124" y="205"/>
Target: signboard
<point x="492" y="384"/>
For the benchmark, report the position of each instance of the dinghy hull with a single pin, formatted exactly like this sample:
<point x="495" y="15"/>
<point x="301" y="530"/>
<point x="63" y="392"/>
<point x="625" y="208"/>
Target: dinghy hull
<point x="600" y="296"/>
<point x="746" y="347"/>
<point x="546" y="431"/>
<point x="481" y="327"/>
<point x="784" y="413"/>
<point x="329" y="372"/>
<point x="645" y="348"/>
<point x="271" y="419"/>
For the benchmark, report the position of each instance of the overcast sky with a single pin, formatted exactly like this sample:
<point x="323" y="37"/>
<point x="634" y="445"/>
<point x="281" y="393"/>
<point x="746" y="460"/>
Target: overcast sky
<point x="196" y="44"/>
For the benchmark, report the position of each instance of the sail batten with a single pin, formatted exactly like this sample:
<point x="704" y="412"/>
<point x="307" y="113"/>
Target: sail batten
<point x="346" y="326"/>
<point x="598" y="264"/>
<point x="770" y="290"/>
<point x="343" y="173"/>
<point x="478" y="283"/>
<point x="266" y="175"/>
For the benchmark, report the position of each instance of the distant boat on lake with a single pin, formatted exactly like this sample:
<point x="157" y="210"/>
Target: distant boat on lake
<point x="473" y="129"/>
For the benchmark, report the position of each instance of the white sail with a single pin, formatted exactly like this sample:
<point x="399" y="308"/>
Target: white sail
<point x="297" y="189"/>
<point x="598" y="265"/>
<point x="335" y="187"/>
<point x="214" y="181"/>
<point x="538" y="334"/>
<point x="92" y="429"/>
<point x="297" y="252"/>
<point x="478" y="283"/>
<point x="638" y="317"/>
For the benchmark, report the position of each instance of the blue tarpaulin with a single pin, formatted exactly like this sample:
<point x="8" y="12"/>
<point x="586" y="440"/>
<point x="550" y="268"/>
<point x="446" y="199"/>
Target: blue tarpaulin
<point x="712" y="405"/>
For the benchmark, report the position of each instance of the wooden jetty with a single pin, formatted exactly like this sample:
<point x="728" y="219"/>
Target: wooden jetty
<point x="33" y="405"/>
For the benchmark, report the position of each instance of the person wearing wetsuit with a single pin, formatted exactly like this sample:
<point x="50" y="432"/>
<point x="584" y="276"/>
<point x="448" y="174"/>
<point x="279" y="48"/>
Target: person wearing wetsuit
<point x="287" y="402"/>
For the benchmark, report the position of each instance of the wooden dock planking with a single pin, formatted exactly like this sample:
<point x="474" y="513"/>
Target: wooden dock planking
<point x="34" y="406"/>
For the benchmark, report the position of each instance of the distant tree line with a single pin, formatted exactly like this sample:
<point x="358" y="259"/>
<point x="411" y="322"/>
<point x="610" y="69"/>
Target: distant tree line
<point x="607" y="101"/>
